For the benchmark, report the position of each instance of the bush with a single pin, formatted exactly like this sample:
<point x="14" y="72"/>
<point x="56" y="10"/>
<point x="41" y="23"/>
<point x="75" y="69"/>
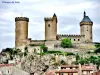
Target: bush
<point x="54" y="52"/>
<point x="97" y="50"/>
<point x="69" y="53"/>
<point x="44" y="48"/>
<point x="66" y="43"/>
<point x="97" y="45"/>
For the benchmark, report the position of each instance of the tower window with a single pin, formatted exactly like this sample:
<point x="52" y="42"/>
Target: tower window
<point x="74" y="39"/>
<point x="78" y="39"/>
<point x="48" y="25"/>
<point x="87" y="28"/>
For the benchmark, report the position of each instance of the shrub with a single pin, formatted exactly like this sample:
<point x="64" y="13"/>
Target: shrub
<point x="66" y="43"/>
<point x="97" y="50"/>
<point x="97" y="45"/>
<point x="44" y="48"/>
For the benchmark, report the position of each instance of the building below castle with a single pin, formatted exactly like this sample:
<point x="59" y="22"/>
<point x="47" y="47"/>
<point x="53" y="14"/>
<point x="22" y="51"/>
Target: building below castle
<point x="52" y="39"/>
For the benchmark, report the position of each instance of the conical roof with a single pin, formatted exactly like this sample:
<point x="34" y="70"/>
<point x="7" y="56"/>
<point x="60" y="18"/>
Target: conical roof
<point x="54" y="15"/>
<point x="86" y="18"/>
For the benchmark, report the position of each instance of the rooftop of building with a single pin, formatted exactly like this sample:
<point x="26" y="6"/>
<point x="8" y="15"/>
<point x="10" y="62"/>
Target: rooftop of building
<point x="67" y="71"/>
<point x="68" y="66"/>
<point x="5" y="65"/>
<point x="87" y="68"/>
<point x="86" y="18"/>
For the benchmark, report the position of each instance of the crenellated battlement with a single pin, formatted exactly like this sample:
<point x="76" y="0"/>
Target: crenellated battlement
<point x="68" y="35"/>
<point x="48" y="18"/>
<point x="21" y="19"/>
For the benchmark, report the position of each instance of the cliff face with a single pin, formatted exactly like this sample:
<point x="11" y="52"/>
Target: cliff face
<point x="36" y="64"/>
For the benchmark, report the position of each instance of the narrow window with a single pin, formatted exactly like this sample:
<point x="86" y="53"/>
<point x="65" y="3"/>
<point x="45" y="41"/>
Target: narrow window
<point x="8" y="71"/>
<point x="78" y="39"/>
<point x="87" y="28"/>
<point x="48" y="25"/>
<point x="74" y="39"/>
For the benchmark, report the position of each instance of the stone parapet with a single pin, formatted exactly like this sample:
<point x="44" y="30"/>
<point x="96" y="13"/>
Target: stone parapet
<point x="66" y="35"/>
<point x="48" y="18"/>
<point x="21" y="19"/>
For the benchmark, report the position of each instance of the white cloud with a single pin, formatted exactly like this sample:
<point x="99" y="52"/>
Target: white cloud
<point x="36" y="10"/>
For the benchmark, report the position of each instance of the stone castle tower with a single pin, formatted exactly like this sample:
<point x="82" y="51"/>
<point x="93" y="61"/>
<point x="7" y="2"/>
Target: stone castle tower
<point x="21" y="31"/>
<point x="51" y="28"/>
<point x="86" y="28"/>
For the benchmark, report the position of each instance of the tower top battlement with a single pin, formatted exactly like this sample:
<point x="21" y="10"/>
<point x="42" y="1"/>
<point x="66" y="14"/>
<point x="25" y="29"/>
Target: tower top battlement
<point x="48" y="19"/>
<point x="21" y="19"/>
<point x="69" y="35"/>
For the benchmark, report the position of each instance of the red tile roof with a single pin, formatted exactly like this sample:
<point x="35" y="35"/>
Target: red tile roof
<point x="4" y="65"/>
<point x="67" y="71"/>
<point x="50" y="72"/>
<point x="68" y="66"/>
<point x="87" y="68"/>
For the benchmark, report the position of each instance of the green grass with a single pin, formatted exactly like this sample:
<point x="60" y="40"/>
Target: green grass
<point x="57" y="52"/>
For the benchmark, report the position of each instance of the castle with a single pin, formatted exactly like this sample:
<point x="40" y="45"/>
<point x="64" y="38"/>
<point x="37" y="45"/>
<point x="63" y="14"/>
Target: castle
<point x="52" y="39"/>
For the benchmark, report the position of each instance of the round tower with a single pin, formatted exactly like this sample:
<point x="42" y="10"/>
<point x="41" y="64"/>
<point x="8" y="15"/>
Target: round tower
<point x="21" y="31"/>
<point x="51" y="28"/>
<point x="86" y="28"/>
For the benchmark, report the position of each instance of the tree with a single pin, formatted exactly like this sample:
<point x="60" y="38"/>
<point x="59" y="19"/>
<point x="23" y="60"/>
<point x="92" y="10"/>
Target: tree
<point x="66" y="43"/>
<point x="25" y="51"/>
<point x="93" y="59"/>
<point x="8" y="50"/>
<point x="97" y="50"/>
<point x="97" y="45"/>
<point x="83" y="61"/>
<point x="77" y="57"/>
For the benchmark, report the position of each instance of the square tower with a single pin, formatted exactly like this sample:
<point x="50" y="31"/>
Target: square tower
<point x="51" y="27"/>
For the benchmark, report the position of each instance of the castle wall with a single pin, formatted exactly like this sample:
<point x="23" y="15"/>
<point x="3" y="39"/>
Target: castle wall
<point x="86" y="29"/>
<point x="37" y="42"/>
<point x="50" y="28"/>
<point x="73" y="38"/>
<point x="51" y="44"/>
<point x="21" y="31"/>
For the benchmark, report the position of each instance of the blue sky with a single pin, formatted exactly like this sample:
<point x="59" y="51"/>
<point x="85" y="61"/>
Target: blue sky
<point x="69" y="14"/>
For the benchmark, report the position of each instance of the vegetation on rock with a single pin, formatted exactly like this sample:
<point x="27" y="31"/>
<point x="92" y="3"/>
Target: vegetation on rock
<point x="44" y="48"/>
<point x="57" y="52"/>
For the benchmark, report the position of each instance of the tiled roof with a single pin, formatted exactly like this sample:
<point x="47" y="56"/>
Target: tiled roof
<point x="4" y="65"/>
<point x="68" y="71"/>
<point x="68" y="66"/>
<point x="87" y="68"/>
<point x="86" y="19"/>
<point x="50" y="72"/>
